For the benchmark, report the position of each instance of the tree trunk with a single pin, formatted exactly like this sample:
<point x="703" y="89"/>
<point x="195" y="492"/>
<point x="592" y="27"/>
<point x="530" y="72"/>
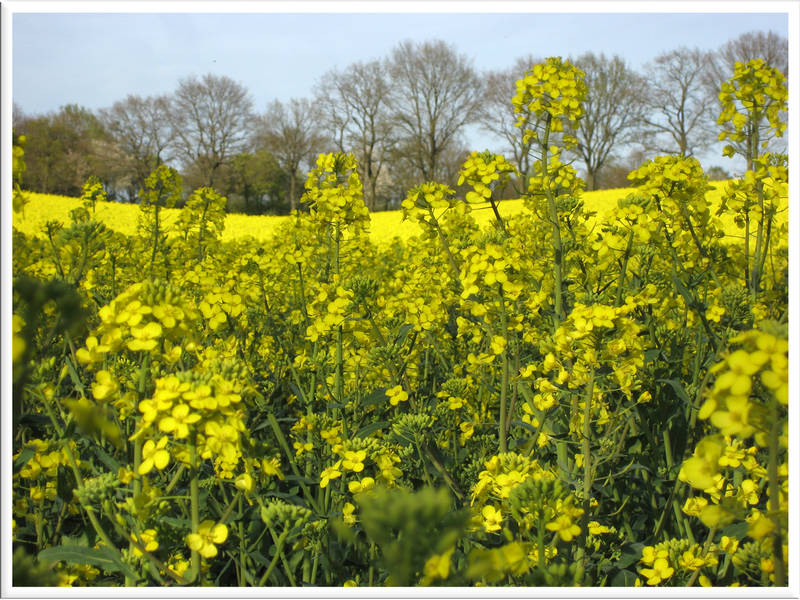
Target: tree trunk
<point x="292" y="188"/>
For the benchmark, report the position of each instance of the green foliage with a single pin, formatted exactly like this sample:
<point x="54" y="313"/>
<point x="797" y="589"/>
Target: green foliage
<point x="756" y="93"/>
<point x="92" y="192"/>
<point x="162" y="189"/>
<point x="19" y="200"/>
<point x="61" y="148"/>
<point x="202" y="221"/>
<point x="27" y="572"/>
<point x="409" y="527"/>
<point x="254" y="184"/>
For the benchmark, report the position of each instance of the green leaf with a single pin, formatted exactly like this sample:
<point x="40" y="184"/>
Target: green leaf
<point x="82" y="540"/>
<point x="257" y="557"/>
<point x="299" y="479"/>
<point x="102" y="558"/>
<point x="526" y="391"/>
<point x="371" y="428"/>
<point x="676" y="385"/>
<point x="630" y="555"/>
<point x="684" y="291"/>
<point x="73" y="374"/>
<point x="31" y="420"/>
<point x="525" y="425"/>
<point x="177" y="523"/>
<point x="403" y="334"/>
<point x="110" y="462"/>
<point x="624" y="578"/>
<point x="23" y="458"/>
<point x="651" y="355"/>
<point x="376" y="397"/>
<point x="737" y="530"/>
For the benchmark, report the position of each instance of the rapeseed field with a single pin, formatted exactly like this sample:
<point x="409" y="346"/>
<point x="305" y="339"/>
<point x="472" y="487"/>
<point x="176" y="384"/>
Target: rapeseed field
<point x="569" y="389"/>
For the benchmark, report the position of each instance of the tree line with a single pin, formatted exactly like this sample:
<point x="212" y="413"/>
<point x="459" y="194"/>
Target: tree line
<point x="404" y="117"/>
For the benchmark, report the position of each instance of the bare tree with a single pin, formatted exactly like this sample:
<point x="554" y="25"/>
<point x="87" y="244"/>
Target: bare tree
<point x="291" y="133"/>
<point x="435" y="93"/>
<point x="211" y="118"/>
<point x="497" y="116"/>
<point x="770" y="46"/>
<point x="680" y="115"/>
<point x="354" y="104"/>
<point x="613" y="107"/>
<point x="17" y="116"/>
<point x="141" y="132"/>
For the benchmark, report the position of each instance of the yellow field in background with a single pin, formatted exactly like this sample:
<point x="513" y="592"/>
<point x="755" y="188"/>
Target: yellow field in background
<point x="384" y="225"/>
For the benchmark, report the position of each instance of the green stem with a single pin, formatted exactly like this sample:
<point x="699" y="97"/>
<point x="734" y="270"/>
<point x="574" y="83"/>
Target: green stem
<point x="558" y="248"/>
<point x="156" y="208"/>
<point x="174" y="481"/>
<point x="194" y="495"/>
<point x="314" y="566"/>
<point x="444" y="473"/>
<point x="707" y="544"/>
<point x="683" y="526"/>
<point x="278" y="552"/>
<point x="759" y="249"/>
<point x="422" y="460"/>
<point x="89" y="510"/>
<point x="540" y="539"/>
<point x="242" y="544"/>
<point x="282" y="441"/>
<point x="747" y="245"/>
<point x="504" y="384"/>
<point x="228" y="509"/>
<point x="79" y="482"/>
<point x="587" y="466"/>
<point x="774" y="496"/>
<point x="765" y="249"/>
<point x="623" y="270"/>
<point x="497" y="216"/>
<point x="446" y="246"/>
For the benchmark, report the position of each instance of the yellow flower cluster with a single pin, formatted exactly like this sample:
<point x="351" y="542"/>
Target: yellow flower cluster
<point x="42" y="469"/>
<point x="681" y="557"/>
<point x="484" y="173"/>
<point x="334" y="192"/>
<point x="148" y="317"/>
<point x="761" y="360"/>
<point x="204" y="411"/>
<point x="503" y="473"/>
<point x="555" y="89"/>
<point x="756" y="88"/>
<point x="424" y="199"/>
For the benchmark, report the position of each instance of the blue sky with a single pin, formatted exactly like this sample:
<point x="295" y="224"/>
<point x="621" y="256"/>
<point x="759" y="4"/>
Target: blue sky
<point x="94" y="59"/>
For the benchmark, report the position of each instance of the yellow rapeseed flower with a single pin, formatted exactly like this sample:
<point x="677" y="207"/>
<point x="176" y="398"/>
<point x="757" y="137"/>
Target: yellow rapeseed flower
<point x="356" y="487"/>
<point x="148" y="540"/>
<point x="354" y="461"/>
<point x="208" y="536"/>
<point x="154" y="455"/>
<point x="437" y="567"/>
<point x="179" y="421"/>
<point x="734" y="420"/>
<point x="660" y="571"/>
<point x="492" y="518"/>
<point x="565" y="527"/>
<point x="330" y="473"/>
<point x="396" y="395"/>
